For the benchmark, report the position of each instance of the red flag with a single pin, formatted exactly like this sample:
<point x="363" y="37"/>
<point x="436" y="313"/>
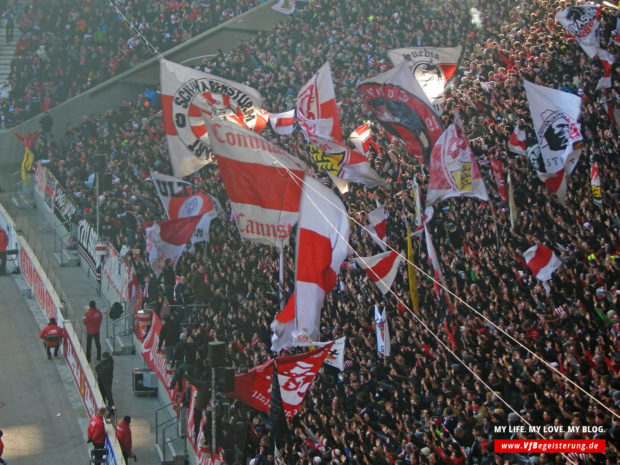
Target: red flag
<point x="254" y="387"/>
<point x="295" y="375"/>
<point x="167" y="239"/>
<point x="498" y="174"/>
<point x="381" y="268"/>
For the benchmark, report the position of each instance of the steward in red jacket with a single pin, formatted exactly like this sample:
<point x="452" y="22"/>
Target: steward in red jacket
<point x="96" y="433"/>
<point x="52" y="336"/>
<point x="92" y="322"/>
<point x="123" y="434"/>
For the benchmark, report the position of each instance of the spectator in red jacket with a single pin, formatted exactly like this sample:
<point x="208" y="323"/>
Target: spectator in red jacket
<point x="4" y="243"/>
<point x="96" y="433"/>
<point x="123" y="435"/>
<point x="1" y="449"/>
<point x="92" y="321"/>
<point x="51" y="335"/>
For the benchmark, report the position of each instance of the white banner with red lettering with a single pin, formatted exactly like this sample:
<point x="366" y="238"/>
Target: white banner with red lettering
<point x="432" y="68"/>
<point x="187" y="95"/>
<point x="262" y="181"/>
<point x="156" y="362"/>
<point x="317" y="109"/>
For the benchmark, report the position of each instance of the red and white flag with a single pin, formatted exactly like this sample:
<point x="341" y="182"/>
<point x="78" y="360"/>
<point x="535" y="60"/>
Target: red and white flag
<point x="581" y="22"/>
<point x="377" y="225"/>
<point x="317" y="109"/>
<point x="383" y="332"/>
<point x="454" y="171"/>
<point x="542" y="261"/>
<point x="282" y="123"/>
<point x="361" y="138"/>
<point x="432" y="257"/>
<point x="556" y="182"/>
<point x="497" y="168"/>
<point x="516" y="143"/>
<point x="432" y="68"/>
<point x="262" y="181"/>
<point x="343" y="162"/>
<point x="181" y="199"/>
<point x="381" y="268"/>
<point x="403" y="109"/>
<point x="322" y="246"/>
<point x="285" y="6"/>
<point x="254" y="387"/>
<point x="595" y="183"/>
<point x="187" y="95"/>
<point x="167" y="239"/>
<point x="295" y="376"/>
<point x="429" y="212"/>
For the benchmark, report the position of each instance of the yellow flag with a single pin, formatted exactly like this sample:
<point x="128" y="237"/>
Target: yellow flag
<point x="413" y="280"/>
<point x="27" y="165"/>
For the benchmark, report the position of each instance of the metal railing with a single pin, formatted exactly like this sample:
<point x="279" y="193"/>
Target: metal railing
<point x="22" y="189"/>
<point x="122" y="326"/>
<point x="164" y="433"/>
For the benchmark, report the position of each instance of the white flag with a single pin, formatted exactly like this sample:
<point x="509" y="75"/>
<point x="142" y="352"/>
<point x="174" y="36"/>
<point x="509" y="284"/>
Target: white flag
<point x="377" y="225"/>
<point x="432" y="68"/>
<point x="317" y="109"/>
<point x="282" y="123"/>
<point x="361" y="138"/>
<point x="181" y="199"/>
<point x="454" y="171"/>
<point x="187" y="96"/>
<point x="555" y="114"/>
<point x="285" y="6"/>
<point x="167" y="239"/>
<point x="383" y="332"/>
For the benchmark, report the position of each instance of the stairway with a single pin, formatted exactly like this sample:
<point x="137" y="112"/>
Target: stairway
<point x="6" y="52"/>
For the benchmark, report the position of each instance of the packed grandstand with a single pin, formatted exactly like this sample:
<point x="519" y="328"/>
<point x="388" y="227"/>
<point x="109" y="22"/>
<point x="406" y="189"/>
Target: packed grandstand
<point x="512" y="318"/>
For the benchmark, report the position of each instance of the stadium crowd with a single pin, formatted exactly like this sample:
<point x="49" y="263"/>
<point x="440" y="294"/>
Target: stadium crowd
<point x="67" y="47"/>
<point x="420" y="405"/>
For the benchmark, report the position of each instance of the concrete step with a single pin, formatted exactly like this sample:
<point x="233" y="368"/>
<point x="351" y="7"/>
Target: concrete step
<point x="67" y="258"/>
<point x="176" y="449"/>
<point x="167" y="461"/>
<point x="120" y="345"/>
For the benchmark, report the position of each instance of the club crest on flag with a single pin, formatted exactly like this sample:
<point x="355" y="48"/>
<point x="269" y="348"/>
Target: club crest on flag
<point x="557" y="130"/>
<point x="330" y="162"/>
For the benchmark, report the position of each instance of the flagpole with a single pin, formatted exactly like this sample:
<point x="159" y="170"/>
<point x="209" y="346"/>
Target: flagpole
<point x="496" y="225"/>
<point x="281" y="278"/>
